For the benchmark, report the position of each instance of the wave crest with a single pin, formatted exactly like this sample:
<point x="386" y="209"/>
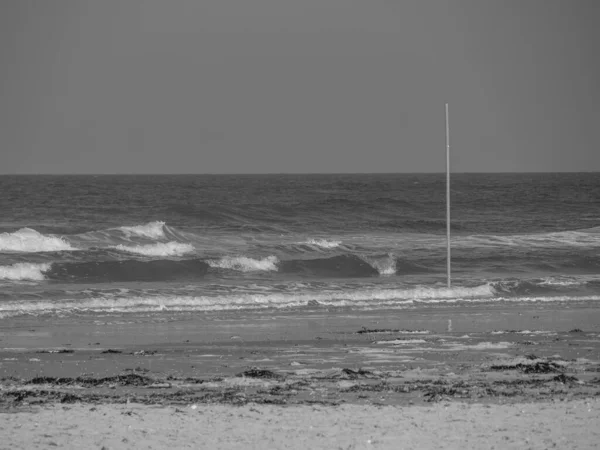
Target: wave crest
<point x="361" y="298"/>
<point x="29" y="240"/>
<point x="24" y="271"/>
<point x="245" y="264"/>
<point x="323" y="243"/>
<point x="384" y="265"/>
<point x="158" y="249"/>
<point x="152" y="230"/>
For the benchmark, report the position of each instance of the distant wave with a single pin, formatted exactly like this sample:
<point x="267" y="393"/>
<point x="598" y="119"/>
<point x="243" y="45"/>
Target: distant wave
<point x="341" y="266"/>
<point x="158" y="249"/>
<point x="589" y="237"/>
<point x="245" y="264"/>
<point x="363" y="298"/>
<point x="24" y="271"/>
<point x="323" y="243"/>
<point x="152" y="230"/>
<point x="548" y="286"/>
<point x="350" y="265"/>
<point x="29" y="240"/>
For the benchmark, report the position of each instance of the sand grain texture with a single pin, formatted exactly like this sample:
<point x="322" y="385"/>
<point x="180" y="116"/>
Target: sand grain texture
<point x="570" y="424"/>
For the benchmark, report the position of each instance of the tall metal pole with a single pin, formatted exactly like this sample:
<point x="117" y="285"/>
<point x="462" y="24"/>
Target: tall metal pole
<point x="448" y="195"/>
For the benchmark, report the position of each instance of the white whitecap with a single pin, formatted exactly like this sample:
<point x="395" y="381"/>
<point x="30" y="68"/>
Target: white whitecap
<point x="554" y="281"/>
<point x="158" y="249"/>
<point x="385" y="265"/>
<point x="323" y="243"/>
<point x="403" y="341"/>
<point x="245" y="264"/>
<point x="24" y="271"/>
<point x="152" y="230"/>
<point x="29" y="240"/>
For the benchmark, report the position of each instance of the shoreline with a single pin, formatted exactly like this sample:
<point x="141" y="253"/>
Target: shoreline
<point x="262" y="379"/>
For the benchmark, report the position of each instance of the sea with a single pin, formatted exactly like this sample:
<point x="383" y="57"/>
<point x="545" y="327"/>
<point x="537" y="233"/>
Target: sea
<point x="178" y="246"/>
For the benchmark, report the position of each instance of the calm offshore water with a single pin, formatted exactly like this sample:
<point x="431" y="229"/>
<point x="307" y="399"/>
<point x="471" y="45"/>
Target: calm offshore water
<point x="73" y="246"/>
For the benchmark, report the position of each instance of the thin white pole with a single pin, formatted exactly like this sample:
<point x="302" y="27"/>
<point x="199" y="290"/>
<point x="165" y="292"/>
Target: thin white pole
<point x="448" y="195"/>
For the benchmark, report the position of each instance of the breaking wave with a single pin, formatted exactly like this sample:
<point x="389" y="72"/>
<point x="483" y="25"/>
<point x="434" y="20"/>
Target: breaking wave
<point x="24" y="271"/>
<point x="361" y="298"/>
<point x="245" y="264"/>
<point x="384" y="265"/>
<point x="124" y="301"/>
<point x="322" y="243"/>
<point x="29" y="240"/>
<point x="158" y="249"/>
<point x="152" y="230"/>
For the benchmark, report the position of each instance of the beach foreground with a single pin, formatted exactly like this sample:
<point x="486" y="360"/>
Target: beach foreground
<point x="517" y="376"/>
<point x="570" y="424"/>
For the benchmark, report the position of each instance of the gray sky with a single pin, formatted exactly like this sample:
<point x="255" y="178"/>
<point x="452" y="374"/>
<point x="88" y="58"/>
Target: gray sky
<point x="236" y="86"/>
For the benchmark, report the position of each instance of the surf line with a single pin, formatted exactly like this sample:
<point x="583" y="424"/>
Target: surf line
<point x="448" y="258"/>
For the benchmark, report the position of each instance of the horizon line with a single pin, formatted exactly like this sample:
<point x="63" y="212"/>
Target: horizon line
<point x="286" y="173"/>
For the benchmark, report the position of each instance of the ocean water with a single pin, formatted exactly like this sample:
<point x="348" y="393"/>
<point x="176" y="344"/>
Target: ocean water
<point x="182" y="245"/>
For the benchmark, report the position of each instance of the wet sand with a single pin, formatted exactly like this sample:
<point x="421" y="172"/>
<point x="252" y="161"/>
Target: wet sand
<point x="459" y="374"/>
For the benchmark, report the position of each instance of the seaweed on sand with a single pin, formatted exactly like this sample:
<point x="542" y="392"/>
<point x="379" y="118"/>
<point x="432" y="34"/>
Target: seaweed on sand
<point x="538" y="367"/>
<point x="256" y="372"/>
<point x="562" y="378"/>
<point x="353" y="374"/>
<point x="376" y="330"/>
<point x="130" y="379"/>
<point x="437" y="393"/>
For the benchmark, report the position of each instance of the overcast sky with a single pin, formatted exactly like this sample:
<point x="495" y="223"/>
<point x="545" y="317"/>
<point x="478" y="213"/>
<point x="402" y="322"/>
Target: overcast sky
<point x="257" y="86"/>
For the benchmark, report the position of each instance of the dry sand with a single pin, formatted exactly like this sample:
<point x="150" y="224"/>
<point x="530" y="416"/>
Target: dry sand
<point x="518" y="377"/>
<point x="562" y="425"/>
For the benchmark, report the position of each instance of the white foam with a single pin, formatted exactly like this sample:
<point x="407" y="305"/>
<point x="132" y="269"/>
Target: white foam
<point x="323" y="243"/>
<point x="362" y="298"/>
<point x="581" y="238"/>
<point x="385" y="266"/>
<point x="370" y="299"/>
<point x="481" y="346"/>
<point x="29" y="240"/>
<point x="24" y="271"/>
<point x="158" y="249"/>
<point x="245" y="264"/>
<point x="552" y="281"/>
<point x="152" y="230"/>
<point x="403" y="341"/>
<point x="459" y="293"/>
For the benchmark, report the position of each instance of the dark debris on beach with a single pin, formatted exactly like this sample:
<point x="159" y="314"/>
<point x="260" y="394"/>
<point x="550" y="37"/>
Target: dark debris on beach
<point x="540" y="380"/>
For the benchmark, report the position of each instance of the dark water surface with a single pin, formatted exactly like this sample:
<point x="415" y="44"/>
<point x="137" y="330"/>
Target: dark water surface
<point x="180" y="244"/>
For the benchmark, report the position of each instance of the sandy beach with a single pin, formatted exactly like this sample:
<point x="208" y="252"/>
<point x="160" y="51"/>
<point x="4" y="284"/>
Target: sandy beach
<point x="566" y="425"/>
<point x="518" y="377"/>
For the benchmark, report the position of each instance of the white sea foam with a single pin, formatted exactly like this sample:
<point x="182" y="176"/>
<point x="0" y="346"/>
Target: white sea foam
<point x="552" y="281"/>
<point x="158" y="249"/>
<point x="355" y="298"/>
<point x="481" y="346"/>
<point x="323" y="243"/>
<point x="403" y="341"/>
<point x="245" y="264"/>
<point x="484" y="290"/>
<point x="581" y="238"/>
<point x="363" y="298"/>
<point x="385" y="266"/>
<point x="24" y="271"/>
<point x="152" y="230"/>
<point x="29" y="240"/>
